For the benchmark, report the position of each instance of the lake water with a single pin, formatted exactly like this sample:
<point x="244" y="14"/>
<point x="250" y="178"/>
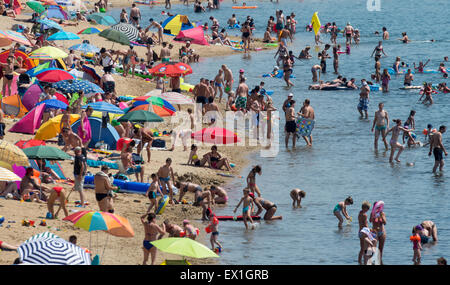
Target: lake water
<point x="342" y="161"/>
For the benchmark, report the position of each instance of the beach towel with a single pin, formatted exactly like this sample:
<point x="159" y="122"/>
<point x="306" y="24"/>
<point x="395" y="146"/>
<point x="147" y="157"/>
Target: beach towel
<point x="96" y="163"/>
<point x="304" y="127"/>
<point x="85" y="137"/>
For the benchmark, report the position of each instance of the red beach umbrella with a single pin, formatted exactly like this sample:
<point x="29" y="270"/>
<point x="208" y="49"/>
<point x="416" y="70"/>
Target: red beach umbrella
<point x="171" y="69"/>
<point x="54" y="75"/>
<point x="29" y="143"/>
<point x="216" y="136"/>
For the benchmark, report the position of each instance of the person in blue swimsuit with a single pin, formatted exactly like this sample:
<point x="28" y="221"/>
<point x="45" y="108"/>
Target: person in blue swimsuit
<point x="164" y="174"/>
<point x="342" y="207"/>
<point x="151" y="231"/>
<point x="246" y="207"/>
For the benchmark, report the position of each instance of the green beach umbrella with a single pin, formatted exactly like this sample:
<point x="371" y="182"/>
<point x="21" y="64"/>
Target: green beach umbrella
<point x="46" y="152"/>
<point x="140" y="116"/>
<point x="115" y="36"/>
<point x="36" y="6"/>
<point x="184" y="247"/>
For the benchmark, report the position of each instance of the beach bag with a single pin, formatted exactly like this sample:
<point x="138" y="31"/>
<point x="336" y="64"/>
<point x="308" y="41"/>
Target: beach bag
<point x="159" y="143"/>
<point x="137" y="159"/>
<point x="121" y="176"/>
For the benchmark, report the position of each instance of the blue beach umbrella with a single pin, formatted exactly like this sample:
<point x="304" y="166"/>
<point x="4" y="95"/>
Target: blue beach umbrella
<point x="63" y="36"/>
<point x="104" y="107"/>
<point x="49" y="24"/>
<point x="103" y="19"/>
<point x="53" y="104"/>
<point x="74" y="86"/>
<point x="85" y="48"/>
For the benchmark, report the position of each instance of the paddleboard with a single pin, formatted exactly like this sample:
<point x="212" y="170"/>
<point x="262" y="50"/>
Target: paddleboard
<point x="238" y="218"/>
<point x="162" y="204"/>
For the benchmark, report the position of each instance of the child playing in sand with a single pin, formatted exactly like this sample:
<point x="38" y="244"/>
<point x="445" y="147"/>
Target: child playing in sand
<point x="297" y="195"/>
<point x="251" y="180"/>
<point x="247" y="207"/>
<point x="213" y="228"/>
<point x="417" y="246"/>
<point x="189" y="230"/>
<point x="151" y="192"/>
<point x="342" y="207"/>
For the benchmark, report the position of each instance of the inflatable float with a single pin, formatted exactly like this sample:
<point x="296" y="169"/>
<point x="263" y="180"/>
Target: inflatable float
<point x="279" y="75"/>
<point x="244" y="7"/>
<point x="238" y="218"/>
<point x="137" y="72"/>
<point x="377" y="208"/>
<point x="375" y="87"/>
<point x="410" y="87"/>
<point x="162" y="205"/>
<point x="236" y="26"/>
<point x="125" y="186"/>
<point x="334" y="88"/>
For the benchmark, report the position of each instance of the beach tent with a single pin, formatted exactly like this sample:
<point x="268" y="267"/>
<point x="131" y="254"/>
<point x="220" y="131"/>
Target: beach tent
<point x="31" y="96"/>
<point x="17" y="6"/>
<point x="195" y="35"/>
<point x="30" y="121"/>
<point x="53" y="165"/>
<point x="56" y="12"/>
<point x="173" y="25"/>
<point x="12" y="105"/>
<point x="108" y="135"/>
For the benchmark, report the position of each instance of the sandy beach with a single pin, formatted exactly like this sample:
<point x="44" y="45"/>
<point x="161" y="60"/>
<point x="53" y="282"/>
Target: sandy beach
<point x="131" y="206"/>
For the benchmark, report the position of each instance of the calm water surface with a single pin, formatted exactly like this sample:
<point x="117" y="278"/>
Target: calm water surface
<point x="342" y="161"/>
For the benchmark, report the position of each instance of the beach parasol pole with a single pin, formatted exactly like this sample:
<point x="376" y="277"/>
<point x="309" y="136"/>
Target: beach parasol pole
<point x="104" y="247"/>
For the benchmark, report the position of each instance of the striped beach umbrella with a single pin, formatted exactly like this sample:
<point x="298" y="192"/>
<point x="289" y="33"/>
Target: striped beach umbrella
<point x="50" y="51"/>
<point x="129" y="30"/>
<point x="16" y="37"/>
<point x="7" y="175"/>
<point x="11" y="154"/>
<point x="156" y="105"/>
<point x="176" y="98"/>
<point x="49" y="23"/>
<point x="89" y="31"/>
<point x="40" y="56"/>
<point x="115" y="36"/>
<point x="52" y="251"/>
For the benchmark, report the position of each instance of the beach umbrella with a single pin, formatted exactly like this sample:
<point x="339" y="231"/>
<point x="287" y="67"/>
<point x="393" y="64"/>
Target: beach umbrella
<point x="74" y="86"/>
<point x="85" y="48"/>
<point x="52" y="127"/>
<point x="56" y="12"/>
<point x="7" y="175"/>
<point x="4" y="41"/>
<point x="216" y="136"/>
<point x="115" y="36"/>
<point x="36" y="70"/>
<point x="29" y="143"/>
<point x="63" y="36"/>
<point x="104" y="107"/>
<point x="42" y="236"/>
<point x="129" y="30"/>
<point x="46" y="152"/>
<point x="156" y="105"/>
<point x="49" y="23"/>
<point x="53" y="104"/>
<point x="41" y="56"/>
<point x="52" y="251"/>
<point x="52" y="52"/>
<point x="184" y="247"/>
<point x="53" y="75"/>
<point x="140" y="116"/>
<point x="171" y="69"/>
<point x="16" y="37"/>
<point x="89" y="31"/>
<point x="101" y="221"/>
<point x="49" y="2"/>
<point x="36" y="6"/>
<point x="11" y="154"/>
<point x="154" y="92"/>
<point x="176" y="98"/>
<point x="103" y="19"/>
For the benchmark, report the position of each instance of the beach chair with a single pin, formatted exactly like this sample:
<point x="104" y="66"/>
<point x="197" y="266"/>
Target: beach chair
<point x="176" y="262"/>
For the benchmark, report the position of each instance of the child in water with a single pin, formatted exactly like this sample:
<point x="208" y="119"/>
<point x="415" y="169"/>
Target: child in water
<point x="251" y="180"/>
<point x="342" y="207"/>
<point x="417" y="246"/>
<point x="297" y="195"/>
<point x="246" y="207"/>
<point x="213" y="227"/>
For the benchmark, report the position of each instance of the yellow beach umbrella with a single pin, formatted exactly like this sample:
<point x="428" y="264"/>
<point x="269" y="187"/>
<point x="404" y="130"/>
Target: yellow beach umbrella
<point x="6" y="175"/>
<point x="51" y="128"/>
<point x="11" y="154"/>
<point x="52" y="52"/>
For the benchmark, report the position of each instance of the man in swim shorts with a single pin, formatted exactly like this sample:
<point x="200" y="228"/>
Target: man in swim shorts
<point x="228" y="78"/>
<point x="165" y="172"/>
<point x="135" y="15"/>
<point x="126" y="157"/>
<point x="103" y="190"/>
<point x="151" y="231"/>
<point x="380" y="124"/>
<point x="307" y="112"/>
<point x="363" y="104"/>
<point x="438" y="149"/>
<point x="291" y="126"/>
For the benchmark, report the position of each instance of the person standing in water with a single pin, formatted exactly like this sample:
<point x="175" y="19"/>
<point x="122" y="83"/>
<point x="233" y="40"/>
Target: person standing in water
<point x="247" y="203"/>
<point x="363" y="223"/>
<point x="363" y="104"/>
<point x="378" y="221"/>
<point x="342" y="207"/>
<point x="291" y="126"/>
<point x="251" y="180"/>
<point x="307" y="112"/>
<point x="437" y="148"/>
<point x="297" y="195"/>
<point x="380" y="124"/>
<point x="394" y="139"/>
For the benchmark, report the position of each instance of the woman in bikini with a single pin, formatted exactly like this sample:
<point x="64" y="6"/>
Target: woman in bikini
<point x="385" y="78"/>
<point x="394" y="139"/>
<point x="246" y="33"/>
<point x="216" y="161"/>
<point x="151" y="231"/>
<point x="251" y="180"/>
<point x="378" y="221"/>
<point x="8" y="71"/>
